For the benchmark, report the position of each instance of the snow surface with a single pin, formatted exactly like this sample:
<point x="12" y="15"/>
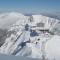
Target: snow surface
<point x="26" y="38"/>
<point x="53" y="48"/>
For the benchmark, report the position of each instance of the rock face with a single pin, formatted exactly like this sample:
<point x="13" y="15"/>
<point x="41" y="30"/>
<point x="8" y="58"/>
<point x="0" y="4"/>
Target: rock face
<point x="30" y="35"/>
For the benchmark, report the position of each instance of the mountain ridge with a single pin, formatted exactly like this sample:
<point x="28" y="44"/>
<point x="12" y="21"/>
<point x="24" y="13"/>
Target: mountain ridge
<point x="28" y="36"/>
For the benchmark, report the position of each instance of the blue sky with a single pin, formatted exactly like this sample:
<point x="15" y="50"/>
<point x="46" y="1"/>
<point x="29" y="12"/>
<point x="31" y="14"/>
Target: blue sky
<point x="30" y="5"/>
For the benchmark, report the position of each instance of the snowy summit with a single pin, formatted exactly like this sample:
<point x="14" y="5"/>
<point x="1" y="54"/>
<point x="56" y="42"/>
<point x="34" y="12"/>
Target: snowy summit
<point x="35" y="36"/>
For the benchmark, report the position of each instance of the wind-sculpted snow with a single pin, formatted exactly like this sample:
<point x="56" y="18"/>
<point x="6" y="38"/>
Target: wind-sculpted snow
<point x="29" y="35"/>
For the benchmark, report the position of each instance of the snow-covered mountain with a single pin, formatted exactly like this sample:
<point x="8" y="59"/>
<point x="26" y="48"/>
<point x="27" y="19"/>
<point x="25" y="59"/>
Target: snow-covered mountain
<point x="9" y="18"/>
<point x="31" y="36"/>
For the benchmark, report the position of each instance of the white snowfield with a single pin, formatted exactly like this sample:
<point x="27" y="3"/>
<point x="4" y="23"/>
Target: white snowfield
<point x="53" y="48"/>
<point x="35" y="36"/>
